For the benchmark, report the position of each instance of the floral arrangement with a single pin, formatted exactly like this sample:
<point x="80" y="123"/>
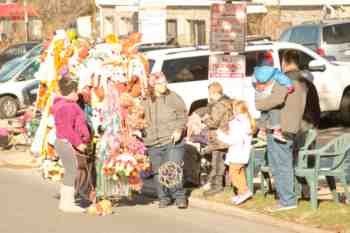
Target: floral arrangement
<point x="52" y="170"/>
<point x="102" y="208"/>
<point x="126" y="169"/>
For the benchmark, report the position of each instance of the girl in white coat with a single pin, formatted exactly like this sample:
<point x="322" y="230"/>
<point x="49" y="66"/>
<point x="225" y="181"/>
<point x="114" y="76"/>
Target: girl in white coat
<point x="239" y="137"/>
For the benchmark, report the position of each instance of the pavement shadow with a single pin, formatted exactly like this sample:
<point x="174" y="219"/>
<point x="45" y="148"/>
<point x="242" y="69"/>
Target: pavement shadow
<point x="137" y="199"/>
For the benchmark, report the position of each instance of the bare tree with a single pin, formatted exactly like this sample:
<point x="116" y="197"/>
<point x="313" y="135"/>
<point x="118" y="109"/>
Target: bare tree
<point x="56" y="14"/>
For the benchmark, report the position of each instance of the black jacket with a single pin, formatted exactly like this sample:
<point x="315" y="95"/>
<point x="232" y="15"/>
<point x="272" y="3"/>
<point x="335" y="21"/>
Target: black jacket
<point x="312" y="112"/>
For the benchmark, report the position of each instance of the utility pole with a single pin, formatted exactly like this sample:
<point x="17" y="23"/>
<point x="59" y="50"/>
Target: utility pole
<point x="93" y="19"/>
<point x="26" y="29"/>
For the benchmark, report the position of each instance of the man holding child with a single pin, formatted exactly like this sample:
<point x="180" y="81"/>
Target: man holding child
<point x="292" y="106"/>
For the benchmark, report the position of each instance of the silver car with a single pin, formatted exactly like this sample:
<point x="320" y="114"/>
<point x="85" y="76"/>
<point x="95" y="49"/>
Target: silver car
<point x="329" y="38"/>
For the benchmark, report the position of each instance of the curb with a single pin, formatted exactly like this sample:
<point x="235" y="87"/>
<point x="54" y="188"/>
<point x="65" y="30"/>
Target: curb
<point x="251" y="216"/>
<point x="232" y="211"/>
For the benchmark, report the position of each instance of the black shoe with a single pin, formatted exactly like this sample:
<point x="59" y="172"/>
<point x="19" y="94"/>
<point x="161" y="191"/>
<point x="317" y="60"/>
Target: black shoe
<point x="163" y="203"/>
<point x="213" y="191"/>
<point x="182" y="204"/>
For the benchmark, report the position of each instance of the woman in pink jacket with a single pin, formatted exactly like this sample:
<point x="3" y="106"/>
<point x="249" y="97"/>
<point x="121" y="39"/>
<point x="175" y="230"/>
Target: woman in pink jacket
<point x="239" y="138"/>
<point x="72" y="134"/>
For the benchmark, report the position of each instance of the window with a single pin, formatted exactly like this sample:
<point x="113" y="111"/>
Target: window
<point x="286" y="35"/>
<point x="171" y="31"/>
<point x="255" y="58"/>
<point x="151" y="64"/>
<point x="304" y="58"/>
<point x="307" y="36"/>
<point x="28" y="73"/>
<point x="197" y="28"/>
<point x="337" y="34"/>
<point x="186" y="69"/>
<point x="10" y="52"/>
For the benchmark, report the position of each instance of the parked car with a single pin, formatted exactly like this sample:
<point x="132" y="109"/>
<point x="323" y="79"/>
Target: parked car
<point x="16" y="50"/>
<point x="187" y="73"/>
<point x="34" y="52"/>
<point x="329" y="38"/>
<point x="14" y="84"/>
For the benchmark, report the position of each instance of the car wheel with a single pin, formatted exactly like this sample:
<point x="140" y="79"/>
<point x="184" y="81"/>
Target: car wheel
<point x="345" y="108"/>
<point x="8" y="107"/>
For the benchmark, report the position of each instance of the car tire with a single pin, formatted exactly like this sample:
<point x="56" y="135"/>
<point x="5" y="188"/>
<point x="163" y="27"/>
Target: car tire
<point x="345" y="108"/>
<point x="8" y="107"/>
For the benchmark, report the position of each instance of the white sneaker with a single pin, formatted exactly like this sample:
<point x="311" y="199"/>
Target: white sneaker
<point x="234" y="199"/>
<point x="244" y="197"/>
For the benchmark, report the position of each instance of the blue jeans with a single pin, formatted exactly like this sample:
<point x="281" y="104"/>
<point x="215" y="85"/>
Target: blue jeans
<point x="161" y="155"/>
<point x="280" y="156"/>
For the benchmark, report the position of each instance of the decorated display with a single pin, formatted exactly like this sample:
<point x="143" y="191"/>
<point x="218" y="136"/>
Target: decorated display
<point x="112" y="77"/>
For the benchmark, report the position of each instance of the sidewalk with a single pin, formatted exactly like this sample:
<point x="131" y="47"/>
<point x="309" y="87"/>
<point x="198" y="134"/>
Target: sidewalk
<point x="17" y="159"/>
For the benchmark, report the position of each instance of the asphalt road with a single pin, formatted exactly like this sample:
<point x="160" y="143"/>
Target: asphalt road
<point x="28" y="205"/>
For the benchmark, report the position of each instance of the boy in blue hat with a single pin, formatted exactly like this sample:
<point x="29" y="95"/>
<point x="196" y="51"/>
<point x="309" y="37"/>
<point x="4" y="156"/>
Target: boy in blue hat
<point x="265" y="76"/>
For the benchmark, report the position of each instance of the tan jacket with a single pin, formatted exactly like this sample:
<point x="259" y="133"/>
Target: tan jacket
<point x="293" y="105"/>
<point x="220" y="113"/>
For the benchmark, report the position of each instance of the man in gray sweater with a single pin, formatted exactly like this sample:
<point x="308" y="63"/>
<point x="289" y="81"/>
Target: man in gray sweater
<point x="280" y="155"/>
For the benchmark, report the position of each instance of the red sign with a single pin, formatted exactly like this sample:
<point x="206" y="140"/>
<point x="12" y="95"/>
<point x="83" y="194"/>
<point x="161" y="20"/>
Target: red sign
<point x="226" y="66"/>
<point x="228" y="27"/>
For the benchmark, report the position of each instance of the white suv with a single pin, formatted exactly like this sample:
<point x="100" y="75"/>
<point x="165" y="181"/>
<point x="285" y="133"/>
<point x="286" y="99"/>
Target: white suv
<point x="187" y="73"/>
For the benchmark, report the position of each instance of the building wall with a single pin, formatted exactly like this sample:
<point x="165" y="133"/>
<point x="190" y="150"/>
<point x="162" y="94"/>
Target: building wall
<point x="270" y="24"/>
<point x="302" y="2"/>
<point x="279" y="18"/>
<point x="183" y="15"/>
<point x="118" y="22"/>
<point x="298" y="15"/>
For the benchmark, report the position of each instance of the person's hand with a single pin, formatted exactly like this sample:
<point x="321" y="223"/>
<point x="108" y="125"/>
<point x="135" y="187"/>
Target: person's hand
<point x="81" y="147"/>
<point x="176" y="136"/>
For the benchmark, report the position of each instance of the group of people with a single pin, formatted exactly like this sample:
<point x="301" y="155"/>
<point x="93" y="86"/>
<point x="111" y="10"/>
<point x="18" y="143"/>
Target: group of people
<point x="288" y="103"/>
<point x="289" y="106"/>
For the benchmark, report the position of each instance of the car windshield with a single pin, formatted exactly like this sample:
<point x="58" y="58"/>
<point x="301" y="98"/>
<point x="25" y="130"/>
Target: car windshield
<point x="8" y="70"/>
<point x="9" y="66"/>
<point x="34" y="51"/>
<point x="337" y="34"/>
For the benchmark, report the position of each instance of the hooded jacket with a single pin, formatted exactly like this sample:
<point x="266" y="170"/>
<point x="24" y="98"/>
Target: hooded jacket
<point x="263" y="74"/>
<point x="70" y="122"/>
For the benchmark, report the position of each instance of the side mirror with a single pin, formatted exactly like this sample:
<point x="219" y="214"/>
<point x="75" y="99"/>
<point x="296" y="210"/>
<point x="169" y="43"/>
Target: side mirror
<point x="316" y="65"/>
